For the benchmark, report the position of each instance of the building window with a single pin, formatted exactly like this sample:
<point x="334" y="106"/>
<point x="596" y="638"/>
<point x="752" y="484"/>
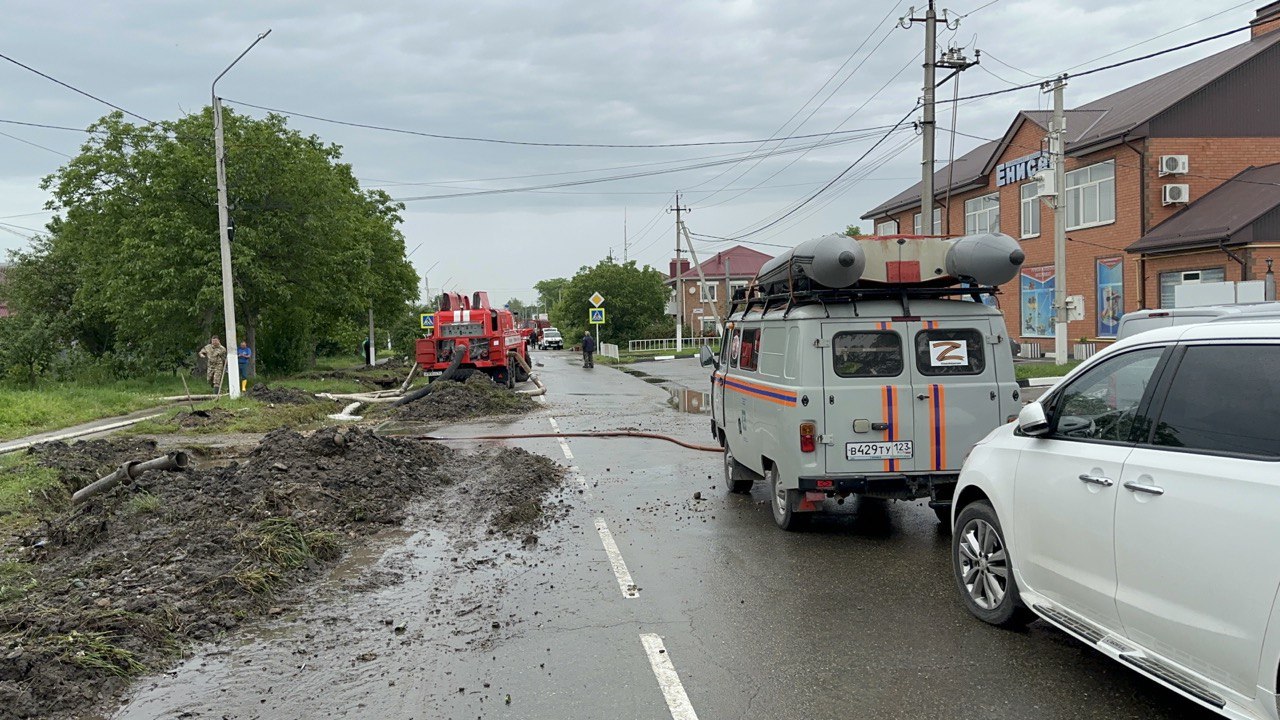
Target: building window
<point x="707" y="327"/>
<point x="888" y="227"/>
<point x="1091" y="196"/>
<point x="937" y="222"/>
<point x="1171" y="280"/>
<point x="736" y="287"/>
<point x="708" y="292"/>
<point x="982" y="214"/>
<point x="1030" y="207"/>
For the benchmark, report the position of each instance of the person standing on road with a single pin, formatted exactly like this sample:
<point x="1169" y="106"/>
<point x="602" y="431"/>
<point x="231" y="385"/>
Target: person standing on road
<point x="588" y="350"/>
<point x="243" y="353"/>
<point x="215" y="356"/>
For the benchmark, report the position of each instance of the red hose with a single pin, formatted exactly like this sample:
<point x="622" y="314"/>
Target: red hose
<point x="598" y="434"/>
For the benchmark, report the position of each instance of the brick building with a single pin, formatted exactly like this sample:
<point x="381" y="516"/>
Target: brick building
<point x="1189" y="145"/>
<point x="725" y="271"/>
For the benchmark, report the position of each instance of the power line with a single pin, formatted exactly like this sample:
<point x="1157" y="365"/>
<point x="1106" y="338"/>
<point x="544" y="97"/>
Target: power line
<point x="589" y="181"/>
<point x="28" y="142"/>
<point x="1157" y="37"/>
<point x="48" y="127"/>
<point x="501" y="141"/>
<point x="76" y="89"/>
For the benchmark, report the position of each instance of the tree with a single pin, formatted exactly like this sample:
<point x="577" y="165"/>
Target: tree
<point x="549" y="291"/>
<point x="136" y="241"/>
<point x="853" y="230"/>
<point x="635" y="298"/>
<point x="519" y="309"/>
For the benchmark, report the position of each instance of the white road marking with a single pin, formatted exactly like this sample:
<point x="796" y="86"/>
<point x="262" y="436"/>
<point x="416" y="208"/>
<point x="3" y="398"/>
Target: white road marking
<point x="668" y="680"/>
<point x="625" y="583"/>
<point x="564" y="445"/>
<point x="581" y="481"/>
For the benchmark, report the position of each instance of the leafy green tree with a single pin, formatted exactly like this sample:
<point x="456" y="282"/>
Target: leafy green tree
<point x="28" y="346"/>
<point x="853" y="230"/>
<point x="136" y="242"/>
<point x="549" y="291"/>
<point x="635" y="298"/>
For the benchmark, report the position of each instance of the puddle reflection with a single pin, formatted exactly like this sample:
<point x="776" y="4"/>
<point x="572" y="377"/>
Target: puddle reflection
<point x="690" y="401"/>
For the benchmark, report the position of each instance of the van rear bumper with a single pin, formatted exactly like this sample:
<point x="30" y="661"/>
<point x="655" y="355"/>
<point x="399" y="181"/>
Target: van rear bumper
<point x="938" y="487"/>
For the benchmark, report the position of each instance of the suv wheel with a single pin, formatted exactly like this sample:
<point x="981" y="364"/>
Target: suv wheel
<point x="983" y="572"/>
<point x="736" y="477"/>
<point x="782" y="501"/>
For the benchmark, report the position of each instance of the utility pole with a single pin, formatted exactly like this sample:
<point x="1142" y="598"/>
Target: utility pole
<point x="224" y="228"/>
<point x="728" y="296"/>
<point x="625" y="240"/>
<point x="679" y="211"/>
<point x="928" y="124"/>
<point x="1057" y="149"/>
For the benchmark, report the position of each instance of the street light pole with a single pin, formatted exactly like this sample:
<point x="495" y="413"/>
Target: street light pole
<point x="224" y="235"/>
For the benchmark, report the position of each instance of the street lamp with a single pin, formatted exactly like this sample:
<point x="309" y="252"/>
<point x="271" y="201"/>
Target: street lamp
<point x="224" y="236"/>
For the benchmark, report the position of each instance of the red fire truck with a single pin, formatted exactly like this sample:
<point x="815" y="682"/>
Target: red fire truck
<point x="470" y="336"/>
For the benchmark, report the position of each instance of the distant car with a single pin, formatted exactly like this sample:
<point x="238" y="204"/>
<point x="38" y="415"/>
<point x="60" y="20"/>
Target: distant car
<point x="1134" y="507"/>
<point x="551" y="340"/>
<point x="1143" y="320"/>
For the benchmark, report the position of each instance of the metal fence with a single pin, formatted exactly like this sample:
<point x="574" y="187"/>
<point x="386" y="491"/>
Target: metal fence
<point x="655" y="345"/>
<point x="609" y="350"/>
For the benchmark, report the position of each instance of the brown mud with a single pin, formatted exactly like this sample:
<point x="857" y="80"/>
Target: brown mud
<point x="449" y="401"/>
<point x="122" y="585"/>
<point x="281" y="395"/>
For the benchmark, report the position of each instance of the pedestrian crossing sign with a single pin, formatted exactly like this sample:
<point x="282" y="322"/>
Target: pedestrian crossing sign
<point x="428" y="320"/>
<point x="596" y="316"/>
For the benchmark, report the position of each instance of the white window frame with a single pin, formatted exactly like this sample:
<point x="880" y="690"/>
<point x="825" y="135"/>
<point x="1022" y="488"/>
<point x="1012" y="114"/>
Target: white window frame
<point x="888" y="227"/>
<point x="733" y="286"/>
<point x="705" y="296"/>
<point x="1080" y="193"/>
<point x="1029" y="207"/>
<point x="985" y="208"/>
<point x="703" y="321"/>
<point x="937" y="222"/>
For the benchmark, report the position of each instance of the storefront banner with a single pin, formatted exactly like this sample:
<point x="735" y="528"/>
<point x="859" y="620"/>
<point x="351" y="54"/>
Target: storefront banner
<point x="1037" y="285"/>
<point x="1110" y="295"/>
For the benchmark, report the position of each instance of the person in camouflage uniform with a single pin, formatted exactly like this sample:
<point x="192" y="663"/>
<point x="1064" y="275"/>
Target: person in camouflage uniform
<point x="216" y="357"/>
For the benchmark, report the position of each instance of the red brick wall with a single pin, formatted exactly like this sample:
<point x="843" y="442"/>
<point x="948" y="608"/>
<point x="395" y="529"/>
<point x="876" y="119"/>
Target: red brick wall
<point x="1265" y="26"/>
<point x="1211" y="161"/>
<point x="1197" y="260"/>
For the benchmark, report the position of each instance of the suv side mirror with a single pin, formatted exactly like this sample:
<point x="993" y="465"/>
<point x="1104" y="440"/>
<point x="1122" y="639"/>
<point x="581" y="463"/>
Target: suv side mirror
<point x="1032" y="420"/>
<point x="707" y="357"/>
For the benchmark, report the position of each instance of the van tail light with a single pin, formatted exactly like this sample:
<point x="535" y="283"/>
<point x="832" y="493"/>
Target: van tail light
<point x="808" y="443"/>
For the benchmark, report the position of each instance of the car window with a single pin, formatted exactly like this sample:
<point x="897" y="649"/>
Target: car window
<point x="734" y="346"/>
<point x="1223" y="398"/>
<point x="870" y="353"/>
<point x="1102" y="404"/>
<point x="750" y="350"/>
<point x="950" y="352"/>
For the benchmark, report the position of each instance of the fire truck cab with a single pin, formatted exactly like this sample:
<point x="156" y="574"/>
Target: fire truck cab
<point x="864" y="366"/>
<point x="471" y="335"/>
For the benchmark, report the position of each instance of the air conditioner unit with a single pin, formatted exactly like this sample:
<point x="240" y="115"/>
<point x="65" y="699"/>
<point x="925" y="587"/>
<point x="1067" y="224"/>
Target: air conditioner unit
<point x="1174" y="165"/>
<point x="1044" y="183"/>
<point x="1176" y="194"/>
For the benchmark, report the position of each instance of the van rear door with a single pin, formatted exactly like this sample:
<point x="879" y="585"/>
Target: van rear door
<point x="955" y="393"/>
<point x="868" y="410"/>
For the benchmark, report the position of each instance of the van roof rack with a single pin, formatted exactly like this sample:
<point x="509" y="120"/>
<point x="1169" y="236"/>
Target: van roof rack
<point x="753" y="297"/>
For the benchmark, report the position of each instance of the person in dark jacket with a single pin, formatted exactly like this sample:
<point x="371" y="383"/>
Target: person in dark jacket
<point x="588" y="350"/>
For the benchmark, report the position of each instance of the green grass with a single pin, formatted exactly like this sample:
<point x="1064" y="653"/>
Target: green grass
<point x="313" y="385"/>
<point x="26" y="491"/>
<point x="97" y="651"/>
<point x="26" y="411"/>
<point x="278" y="545"/>
<point x="236" y="416"/>
<point x="1025" y="371"/>
<point x="142" y="504"/>
<point x="15" y="580"/>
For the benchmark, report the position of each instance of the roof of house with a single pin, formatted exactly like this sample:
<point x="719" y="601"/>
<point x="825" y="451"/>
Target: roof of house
<point x="1128" y="108"/>
<point x="1092" y="124"/>
<point x="1218" y="216"/>
<point x="743" y="263"/>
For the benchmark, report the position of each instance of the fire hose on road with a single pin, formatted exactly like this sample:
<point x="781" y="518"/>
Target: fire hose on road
<point x="595" y="434"/>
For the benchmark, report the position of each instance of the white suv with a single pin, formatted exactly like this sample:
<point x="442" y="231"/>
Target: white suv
<point x="1137" y="508"/>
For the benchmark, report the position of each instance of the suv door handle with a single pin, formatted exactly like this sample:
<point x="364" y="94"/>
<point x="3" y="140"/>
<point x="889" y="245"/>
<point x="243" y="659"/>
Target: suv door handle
<point x="1139" y="487"/>
<point x="1098" y="480"/>
<point x="922" y="396"/>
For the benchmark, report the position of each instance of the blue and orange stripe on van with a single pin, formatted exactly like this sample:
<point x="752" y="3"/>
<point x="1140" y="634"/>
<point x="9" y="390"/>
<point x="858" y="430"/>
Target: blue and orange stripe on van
<point x="889" y="411"/>
<point x="884" y="325"/>
<point x="771" y="393"/>
<point x="931" y="325"/>
<point x="938" y="427"/>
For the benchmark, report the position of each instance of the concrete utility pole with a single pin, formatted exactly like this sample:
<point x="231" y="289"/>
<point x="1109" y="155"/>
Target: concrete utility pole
<point x="679" y="211"/>
<point x="625" y="240"/>
<point x="1057" y="149"/>
<point x="224" y="228"/>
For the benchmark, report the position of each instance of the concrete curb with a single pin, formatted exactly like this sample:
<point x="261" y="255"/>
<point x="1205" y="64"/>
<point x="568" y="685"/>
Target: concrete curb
<point x="1039" y="382"/>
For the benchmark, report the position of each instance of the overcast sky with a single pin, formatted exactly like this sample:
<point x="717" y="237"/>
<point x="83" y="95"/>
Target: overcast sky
<point x="569" y="72"/>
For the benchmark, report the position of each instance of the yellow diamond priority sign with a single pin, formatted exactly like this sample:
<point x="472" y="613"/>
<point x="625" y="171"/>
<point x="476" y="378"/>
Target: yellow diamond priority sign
<point x="597" y="299"/>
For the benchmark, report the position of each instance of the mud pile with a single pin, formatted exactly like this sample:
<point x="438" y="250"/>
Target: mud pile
<point x="117" y="587"/>
<point x="281" y="395"/>
<point x="83" y="462"/>
<point x="479" y="396"/>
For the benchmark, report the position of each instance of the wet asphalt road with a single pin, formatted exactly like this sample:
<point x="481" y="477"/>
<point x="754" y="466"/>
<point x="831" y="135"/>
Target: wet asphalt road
<point x="855" y="618"/>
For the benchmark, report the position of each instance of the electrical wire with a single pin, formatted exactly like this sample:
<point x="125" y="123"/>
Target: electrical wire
<point x="45" y="126"/>
<point x="76" y="89"/>
<point x="37" y="145"/>
<point x="501" y="141"/>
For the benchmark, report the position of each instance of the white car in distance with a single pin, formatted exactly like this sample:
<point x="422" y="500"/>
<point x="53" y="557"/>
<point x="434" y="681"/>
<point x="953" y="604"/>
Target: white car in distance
<point x="1136" y="507"/>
